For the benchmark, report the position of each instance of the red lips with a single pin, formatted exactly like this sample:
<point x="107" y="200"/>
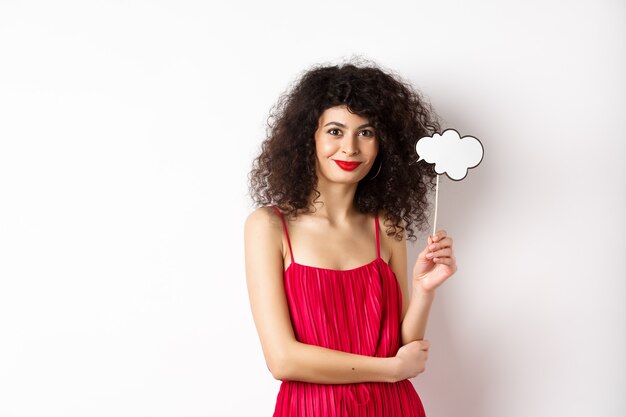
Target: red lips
<point x="348" y="166"/>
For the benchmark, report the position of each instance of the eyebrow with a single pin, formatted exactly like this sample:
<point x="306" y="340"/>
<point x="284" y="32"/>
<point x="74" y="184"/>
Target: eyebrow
<point x="342" y="125"/>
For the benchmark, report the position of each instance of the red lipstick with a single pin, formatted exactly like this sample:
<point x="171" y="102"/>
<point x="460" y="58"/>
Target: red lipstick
<point x="347" y="166"/>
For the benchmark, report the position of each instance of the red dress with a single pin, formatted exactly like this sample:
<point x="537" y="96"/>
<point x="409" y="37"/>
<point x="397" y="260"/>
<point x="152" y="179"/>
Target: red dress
<point x="357" y="311"/>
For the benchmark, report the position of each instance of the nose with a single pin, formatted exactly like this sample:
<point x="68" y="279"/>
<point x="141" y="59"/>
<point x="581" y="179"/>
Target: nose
<point x="349" y="146"/>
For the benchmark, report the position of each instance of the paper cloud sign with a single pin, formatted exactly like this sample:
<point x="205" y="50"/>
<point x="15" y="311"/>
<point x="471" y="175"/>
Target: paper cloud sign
<point x="451" y="154"/>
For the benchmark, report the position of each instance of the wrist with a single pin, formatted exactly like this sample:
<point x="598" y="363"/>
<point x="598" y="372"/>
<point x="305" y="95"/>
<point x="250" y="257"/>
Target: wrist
<point x="394" y="369"/>
<point x="418" y="291"/>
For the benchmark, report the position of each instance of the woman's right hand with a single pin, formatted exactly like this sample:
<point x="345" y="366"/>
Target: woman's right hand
<point x="411" y="359"/>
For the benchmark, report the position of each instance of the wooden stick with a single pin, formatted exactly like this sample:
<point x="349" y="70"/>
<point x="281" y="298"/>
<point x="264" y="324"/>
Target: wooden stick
<point x="436" y="200"/>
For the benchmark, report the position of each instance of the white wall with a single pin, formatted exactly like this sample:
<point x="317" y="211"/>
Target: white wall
<point x="127" y="130"/>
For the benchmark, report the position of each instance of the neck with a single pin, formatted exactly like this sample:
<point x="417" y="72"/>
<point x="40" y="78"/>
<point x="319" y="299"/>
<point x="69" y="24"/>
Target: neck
<point x="338" y="201"/>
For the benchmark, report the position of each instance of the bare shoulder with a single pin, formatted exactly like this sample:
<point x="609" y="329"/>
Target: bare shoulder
<point x="390" y="244"/>
<point x="260" y="216"/>
<point x="263" y="223"/>
<point x="262" y="236"/>
<point x="382" y="214"/>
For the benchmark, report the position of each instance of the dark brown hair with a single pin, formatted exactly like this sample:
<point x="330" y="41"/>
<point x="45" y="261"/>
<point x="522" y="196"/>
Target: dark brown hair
<point x="284" y="172"/>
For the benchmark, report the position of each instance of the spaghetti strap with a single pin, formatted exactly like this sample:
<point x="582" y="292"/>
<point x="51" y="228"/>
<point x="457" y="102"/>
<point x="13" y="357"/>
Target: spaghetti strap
<point x="285" y="229"/>
<point x="377" y="236"/>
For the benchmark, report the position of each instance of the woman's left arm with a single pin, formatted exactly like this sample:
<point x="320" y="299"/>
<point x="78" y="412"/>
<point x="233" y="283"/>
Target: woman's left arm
<point x="414" y="323"/>
<point x="434" y="265"/>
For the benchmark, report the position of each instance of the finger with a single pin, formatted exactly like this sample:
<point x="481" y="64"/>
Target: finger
<point x="451" y="261"/>
<point x="446" y="261"/>
<point x="439" y="235"/>
<point x="426" y="249"/>
<point x="447" y="242"/>
<point x="440" y="253"/>
<point x="428" y="245"/>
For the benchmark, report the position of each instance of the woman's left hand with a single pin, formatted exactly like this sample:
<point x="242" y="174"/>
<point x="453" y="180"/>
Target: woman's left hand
<point x="435" y="264"/>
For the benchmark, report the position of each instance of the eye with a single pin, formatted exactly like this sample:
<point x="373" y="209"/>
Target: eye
<point x="333" y="130"/>
<point x="368" y="133"/>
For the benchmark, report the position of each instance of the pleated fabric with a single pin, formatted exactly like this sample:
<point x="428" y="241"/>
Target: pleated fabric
<point x="357" y="311"/>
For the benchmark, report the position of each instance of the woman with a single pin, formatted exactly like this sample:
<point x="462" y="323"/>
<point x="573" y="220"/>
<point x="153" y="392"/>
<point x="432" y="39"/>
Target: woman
<point x="338" y="166"/>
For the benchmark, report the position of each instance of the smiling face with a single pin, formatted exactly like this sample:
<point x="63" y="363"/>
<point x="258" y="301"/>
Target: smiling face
<point x="346" y="145"/>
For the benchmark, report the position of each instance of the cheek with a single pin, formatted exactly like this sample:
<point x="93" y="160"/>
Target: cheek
<point x="325" y="148"/>
<point x="373" y="150"/>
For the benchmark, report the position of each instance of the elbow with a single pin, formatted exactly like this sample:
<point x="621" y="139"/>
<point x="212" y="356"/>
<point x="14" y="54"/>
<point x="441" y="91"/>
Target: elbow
<point x="279" y="366"/>
<point x="278" y="373"/>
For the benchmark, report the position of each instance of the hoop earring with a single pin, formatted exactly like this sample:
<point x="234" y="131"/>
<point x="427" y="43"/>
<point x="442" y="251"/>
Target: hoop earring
<point x="379" y="167"/>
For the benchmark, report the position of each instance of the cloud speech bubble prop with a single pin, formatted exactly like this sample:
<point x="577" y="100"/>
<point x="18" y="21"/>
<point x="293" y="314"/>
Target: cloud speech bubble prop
<point x="451" y="153"/>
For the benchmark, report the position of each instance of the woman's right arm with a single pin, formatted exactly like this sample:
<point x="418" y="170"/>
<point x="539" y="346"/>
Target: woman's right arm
<point x="286" y="358"/>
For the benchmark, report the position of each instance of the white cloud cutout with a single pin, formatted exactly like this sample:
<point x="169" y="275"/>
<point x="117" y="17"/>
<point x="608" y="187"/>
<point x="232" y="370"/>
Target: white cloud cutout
<point x="451" y="153"/>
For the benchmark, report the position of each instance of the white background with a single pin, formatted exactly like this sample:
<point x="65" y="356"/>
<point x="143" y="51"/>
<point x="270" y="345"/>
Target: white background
<point x="128" y="128"/>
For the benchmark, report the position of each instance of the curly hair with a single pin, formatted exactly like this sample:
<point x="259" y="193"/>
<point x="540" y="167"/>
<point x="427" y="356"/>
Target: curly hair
<point x="283" y="174"/>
